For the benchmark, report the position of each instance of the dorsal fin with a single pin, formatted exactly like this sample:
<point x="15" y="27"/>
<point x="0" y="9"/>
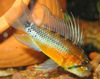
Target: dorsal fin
<point x="68" y="28"/>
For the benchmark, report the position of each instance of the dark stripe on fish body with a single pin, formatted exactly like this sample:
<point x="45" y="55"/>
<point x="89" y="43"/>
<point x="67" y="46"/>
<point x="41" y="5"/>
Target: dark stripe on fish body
<point x="53" y="31"/>
<point x="69" y="40"/>
<point x="62" y="36"/>
<point x="27" y="24"/>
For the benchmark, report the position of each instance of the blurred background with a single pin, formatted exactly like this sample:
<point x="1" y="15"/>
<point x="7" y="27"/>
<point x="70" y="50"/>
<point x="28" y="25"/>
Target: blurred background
<point x="15" y="56"/>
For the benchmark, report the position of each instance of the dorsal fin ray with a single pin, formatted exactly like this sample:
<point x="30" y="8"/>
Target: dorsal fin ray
<point x="68" y="28"/>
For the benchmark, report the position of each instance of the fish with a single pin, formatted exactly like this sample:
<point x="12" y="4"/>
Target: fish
<point x="57" y="38"/>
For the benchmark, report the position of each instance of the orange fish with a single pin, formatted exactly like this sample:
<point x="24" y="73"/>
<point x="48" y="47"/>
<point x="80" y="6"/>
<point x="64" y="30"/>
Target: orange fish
<point x="57" y="38"/>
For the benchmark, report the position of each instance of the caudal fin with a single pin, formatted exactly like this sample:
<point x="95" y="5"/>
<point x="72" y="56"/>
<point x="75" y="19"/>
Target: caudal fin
<point x="18" y="16"/>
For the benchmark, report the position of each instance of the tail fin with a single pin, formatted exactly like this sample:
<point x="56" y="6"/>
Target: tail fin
<point x="18" y="16"/>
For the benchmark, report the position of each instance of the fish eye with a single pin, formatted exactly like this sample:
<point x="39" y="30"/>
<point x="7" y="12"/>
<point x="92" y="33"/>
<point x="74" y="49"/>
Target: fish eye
<point x="85" y="62"/>
<point x="27" y="24"/>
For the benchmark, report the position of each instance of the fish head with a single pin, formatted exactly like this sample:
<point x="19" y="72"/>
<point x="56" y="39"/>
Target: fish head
<point x="78" y="64"/>
<point x="82" y="70"/>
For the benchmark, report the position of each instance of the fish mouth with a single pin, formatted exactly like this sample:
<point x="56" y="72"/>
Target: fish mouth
<point x="85" y="74"/>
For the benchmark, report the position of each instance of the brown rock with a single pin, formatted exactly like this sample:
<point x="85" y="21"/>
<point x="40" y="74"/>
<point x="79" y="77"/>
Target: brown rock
<point x="95" y="62"/>
<point x="93" y="55"/>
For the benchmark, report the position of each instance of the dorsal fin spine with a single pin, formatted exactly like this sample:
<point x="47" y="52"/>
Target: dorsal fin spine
<point x="72" y="30"/>
<point x="78" y="34"/>
<point x="75" y="29"/>
<point x="81" y="36"/>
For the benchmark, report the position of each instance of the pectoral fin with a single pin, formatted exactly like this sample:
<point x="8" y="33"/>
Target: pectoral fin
<point x="48" y="65"/>
<point x="27" y="40"/>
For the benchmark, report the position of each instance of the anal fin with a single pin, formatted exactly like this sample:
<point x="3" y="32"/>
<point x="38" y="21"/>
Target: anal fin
<point x="27" y="40"/>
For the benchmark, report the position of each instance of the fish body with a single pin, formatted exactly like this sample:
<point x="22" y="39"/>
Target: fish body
<point x="57" y="38"/>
